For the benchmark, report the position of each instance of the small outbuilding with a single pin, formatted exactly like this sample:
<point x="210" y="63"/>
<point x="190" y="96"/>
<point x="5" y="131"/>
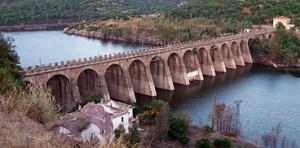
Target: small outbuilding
<point x="284" y="20"/>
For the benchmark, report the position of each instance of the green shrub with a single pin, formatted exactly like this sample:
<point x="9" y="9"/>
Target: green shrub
<point x="184" y="36"/>
<point x="133" y="137"/>
<point x="162" y="120"/>
<point x="95" y="98"/>
<point x="222" y="143"/>
<point x="137" y="110"/>
<point x="203" y="143"/>
<point x="6" y="80"/>
<point x="120" y="131"/>
<point x="155" y="104"/>
<point x="177" y="128"/>
<point x="184" y="140"/>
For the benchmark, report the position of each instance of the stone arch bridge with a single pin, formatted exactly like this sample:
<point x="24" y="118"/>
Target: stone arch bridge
<point x="121" y="75"/>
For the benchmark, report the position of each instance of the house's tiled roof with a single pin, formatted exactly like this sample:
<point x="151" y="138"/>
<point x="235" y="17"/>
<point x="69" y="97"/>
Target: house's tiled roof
<point x="282" y="18"/>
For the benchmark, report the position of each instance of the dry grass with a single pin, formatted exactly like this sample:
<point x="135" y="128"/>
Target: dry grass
<point x="22" y="111"/>
<point x="36" y="102"/>
<point x="114" y="143"/>
<point x="19" y="131"/>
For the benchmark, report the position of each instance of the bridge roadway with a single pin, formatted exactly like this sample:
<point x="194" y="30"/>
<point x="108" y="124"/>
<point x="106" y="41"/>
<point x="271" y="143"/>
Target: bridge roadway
<point x="121" y="75"/>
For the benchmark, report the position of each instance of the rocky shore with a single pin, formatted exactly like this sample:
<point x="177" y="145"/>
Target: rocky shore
<point x="143" y="38"/>
<point x="264" y="59"/>
<point x="292" y="67"/>
<point x="36" y="27"/>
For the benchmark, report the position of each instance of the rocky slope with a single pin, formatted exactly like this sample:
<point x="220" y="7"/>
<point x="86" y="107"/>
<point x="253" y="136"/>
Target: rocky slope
<point x="144" y="37"/>
<point x="264" y="59"/>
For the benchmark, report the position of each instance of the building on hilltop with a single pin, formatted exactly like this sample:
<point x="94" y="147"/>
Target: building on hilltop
<point x="121" y="113"/>
<point x="96" y="121"/>
<point x="284" y="20"/>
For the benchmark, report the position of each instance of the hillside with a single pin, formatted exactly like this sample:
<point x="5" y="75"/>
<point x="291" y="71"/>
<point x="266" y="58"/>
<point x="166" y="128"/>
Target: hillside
<point x="192" y="20"/>
<point x="232" y="14"/>
<point x="43" y="11"/>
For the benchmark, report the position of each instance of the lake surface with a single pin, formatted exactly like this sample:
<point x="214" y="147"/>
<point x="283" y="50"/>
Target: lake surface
<point x="268" y="97"/>
<point x="45" y="47"/>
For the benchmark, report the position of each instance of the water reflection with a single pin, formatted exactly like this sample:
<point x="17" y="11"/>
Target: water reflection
<point x="206" y="87"/>
<point x="268" y="98"/>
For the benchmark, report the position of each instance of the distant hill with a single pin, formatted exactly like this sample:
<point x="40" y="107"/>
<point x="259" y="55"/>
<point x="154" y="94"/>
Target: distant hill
<point x="36" y="11"/>
<point x="243" y="13"/>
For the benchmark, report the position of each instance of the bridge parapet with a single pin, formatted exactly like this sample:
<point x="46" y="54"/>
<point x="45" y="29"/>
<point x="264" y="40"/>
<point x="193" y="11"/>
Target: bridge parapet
<point x="134" y="53"/>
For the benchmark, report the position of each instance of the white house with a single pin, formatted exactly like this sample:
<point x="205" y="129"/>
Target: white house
<point x="96" y="121"/>
<point x="121" y="113"/>
<point x="284" y="20"/>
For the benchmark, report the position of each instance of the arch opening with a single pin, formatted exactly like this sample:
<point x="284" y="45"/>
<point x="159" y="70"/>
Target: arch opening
<point x="226" y="54"/>
<point x="117" y="84"/>
<point x="246" y="51"/>
<point x="203" y="57"/>
<point x="227" y="57"/>
<point x="159" y="74"/>
<point x="217" y="59"/>
<point x="215" y="54"/>
<point x="237" y="55"/>
<point x="89" y="85"/>
<point x="61" y="90"/>
<point x="235" y="50"/>
<point x="176" y="69"/>
<point x="139" y="78"/>
<point x="189" y="59"/>
<point x="205" y="62"/>
<point x="243" y="46"/>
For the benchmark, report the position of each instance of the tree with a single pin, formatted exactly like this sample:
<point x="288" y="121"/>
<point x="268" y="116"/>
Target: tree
<point x="162" y="120"/>
<point x="177" y="128"/>
<point x="9" y="65"/>
<point x="203" y="143"/>
<point x="289" y="44"/>
<point x="222" y="143"/>
<point x="133" y="137"/>
<point x="120" y="131"/>
<point x="8" y="57"/>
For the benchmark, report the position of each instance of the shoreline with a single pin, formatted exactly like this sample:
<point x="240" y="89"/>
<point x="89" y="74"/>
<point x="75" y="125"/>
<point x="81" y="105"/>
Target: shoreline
<point x="36" y="27"/>
<point x="142" y="39"/>
<point x="278" y="65"/>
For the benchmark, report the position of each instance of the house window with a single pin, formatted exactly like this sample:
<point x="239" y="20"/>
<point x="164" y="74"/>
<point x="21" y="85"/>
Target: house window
<point x="122" y="119"/>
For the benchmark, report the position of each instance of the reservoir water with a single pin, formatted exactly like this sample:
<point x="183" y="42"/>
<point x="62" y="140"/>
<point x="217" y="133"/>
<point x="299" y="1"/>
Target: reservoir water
<point x="54" y="46"/>
<point x="268" y="97"/>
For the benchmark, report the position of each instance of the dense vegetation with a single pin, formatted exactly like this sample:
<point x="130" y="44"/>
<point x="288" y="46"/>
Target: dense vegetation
<point x="33" y="11"/>
<point x="9" y="64"/>
<point x="232" y="15"/>
<point x="198" y="19"/>
<point x="285" y="45"/>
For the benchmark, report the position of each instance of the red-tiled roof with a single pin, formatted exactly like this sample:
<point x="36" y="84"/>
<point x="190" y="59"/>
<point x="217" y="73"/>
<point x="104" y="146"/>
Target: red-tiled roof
<point x="282" y="17"/>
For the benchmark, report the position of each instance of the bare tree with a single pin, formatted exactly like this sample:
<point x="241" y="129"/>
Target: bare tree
<point x="226" y="119"/>
<point x="274" y="139"/>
